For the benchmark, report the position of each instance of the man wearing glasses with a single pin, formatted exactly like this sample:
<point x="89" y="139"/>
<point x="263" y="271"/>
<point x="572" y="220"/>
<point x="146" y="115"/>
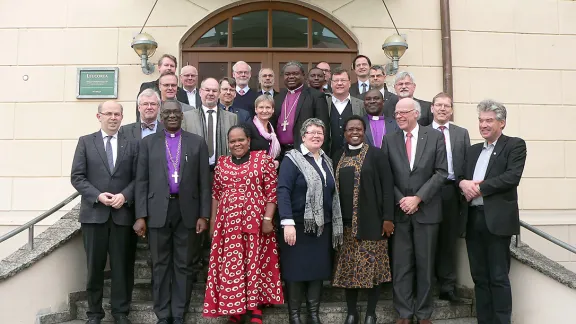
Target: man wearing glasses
<point x="189" y="80"/>
<point x="148" y="106"/>
<point x="168" y="83"/>
<point x="417" y="155"/>
<point x="405" y="85"/>
<point x="245" y="97"/>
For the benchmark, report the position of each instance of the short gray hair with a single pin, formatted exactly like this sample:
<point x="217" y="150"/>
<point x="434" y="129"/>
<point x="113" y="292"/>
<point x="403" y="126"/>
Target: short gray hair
<point x="491" y="105"/>
<point x="402" y="75"/>
<point x="294" y="63"/>
<point x="241" y="62"/>
<point x="311" y="122"/>
<point x="262" y="98"/>
<point x="378" y="68"/>
<point x="148" y="93"/>
<point x="418" y="108"/>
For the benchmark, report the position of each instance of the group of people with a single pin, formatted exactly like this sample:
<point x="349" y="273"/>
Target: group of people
<point x="274" y="193"/>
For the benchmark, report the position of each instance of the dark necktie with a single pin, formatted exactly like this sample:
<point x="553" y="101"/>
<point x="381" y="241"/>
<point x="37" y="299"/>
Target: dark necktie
<point x="442" y="128"/>
<point x="149" y="126"/>
<point x="363" y="87"/>
<point x="109" y="154"/>
<point x="210" y="135"/>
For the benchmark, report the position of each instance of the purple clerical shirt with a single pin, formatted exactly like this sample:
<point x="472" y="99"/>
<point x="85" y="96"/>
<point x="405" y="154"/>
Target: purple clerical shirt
<point x="173" y="172"/>
<point x="288" y="110"/>
<point x="378" y="128"/>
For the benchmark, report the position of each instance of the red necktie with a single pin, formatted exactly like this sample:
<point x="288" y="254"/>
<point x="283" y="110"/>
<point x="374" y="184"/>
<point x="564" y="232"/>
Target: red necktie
<point x="442" y="128"/>
<point x="409" y="145"/>
<point x="241" y="92"/>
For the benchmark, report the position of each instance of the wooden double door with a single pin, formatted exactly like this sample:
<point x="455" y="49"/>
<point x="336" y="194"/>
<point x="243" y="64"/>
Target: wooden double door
<point x="219" y="64"/>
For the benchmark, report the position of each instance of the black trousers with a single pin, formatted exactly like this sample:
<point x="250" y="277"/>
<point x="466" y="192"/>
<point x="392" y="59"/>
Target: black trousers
<point x="448" y="235"/>
<point x="118" y="242"/>
<point x="172" y="272"/>
<point x="414" y="253"/>
<point x="489" y="257"/>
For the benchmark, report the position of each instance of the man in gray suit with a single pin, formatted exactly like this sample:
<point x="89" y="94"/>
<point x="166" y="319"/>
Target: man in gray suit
<point x="173" y="196"/>
<point x="103" y="172"/>
<point x="417" y="156"/>
<point x="211" y="123"/>
<point x="340" y="106"/>
<point x="168" y="84"/>
<point x="148" y="106"/>
<point x="457" y="142"/>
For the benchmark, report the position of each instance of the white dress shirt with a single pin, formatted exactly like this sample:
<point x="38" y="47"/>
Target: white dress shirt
<point x="211" y="159"/>
<point x="269" y="92"/>
<point x="414" y="141"/>
<point x="113" y="142"/>
<point x="360" y="83"/>
<point x="147" y="131"/>
<point x="318" y="162"/>
<point x="191" y="97"/>
<point x="340" y="105"/>
<point x="435" y="125"/>
<point x="246" y="88"/>
<point x="481" y="168"/>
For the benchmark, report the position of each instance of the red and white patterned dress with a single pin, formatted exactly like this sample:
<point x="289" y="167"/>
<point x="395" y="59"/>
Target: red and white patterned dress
<point x="244" y="271"/>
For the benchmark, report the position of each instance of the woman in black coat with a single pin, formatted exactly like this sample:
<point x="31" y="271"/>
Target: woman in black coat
<point x="263" y="134"/>
<point x="365" y="184"/>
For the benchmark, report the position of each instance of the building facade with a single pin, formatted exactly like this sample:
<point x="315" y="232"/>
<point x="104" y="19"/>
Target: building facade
<point x="519" y="52"/>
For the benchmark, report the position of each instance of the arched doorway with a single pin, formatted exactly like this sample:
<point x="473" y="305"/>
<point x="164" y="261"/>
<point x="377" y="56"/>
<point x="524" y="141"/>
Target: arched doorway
<point x="266" y="34"/>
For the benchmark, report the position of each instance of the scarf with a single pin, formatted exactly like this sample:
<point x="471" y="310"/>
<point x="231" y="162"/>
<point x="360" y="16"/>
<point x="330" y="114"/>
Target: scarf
<point x="314" y="208"/>
<point x="270" y="137"/>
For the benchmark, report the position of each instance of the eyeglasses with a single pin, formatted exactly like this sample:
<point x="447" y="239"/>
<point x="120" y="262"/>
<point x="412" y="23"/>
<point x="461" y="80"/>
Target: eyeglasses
<point x="110" y="114"/>
<point x="148" y="104"/>
<point x="227" y="90"/>
<point x="404" y="84"/>
<point x="440" y="105"/>
<point x="166" y="85"/>
<point x="315" y="133"/>
<point x="242" y="72"/>
<point x="340" y="80"/>
<point x="267" y="75"/>
<point x="189" y="75"/>
<point x="402" y="113"/>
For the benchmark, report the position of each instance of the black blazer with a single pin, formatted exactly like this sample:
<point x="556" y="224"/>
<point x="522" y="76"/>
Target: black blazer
<point x="355" y="92"/>
<point x="376" y="195"/>
<point x="180" y="94"/>
<point x="499" y="189"/>
<point x="274" y="92"/>
<point x="152" y="188"/>
<point x="133" y="131"/>
<point x="92" y="176"/>
<point x="312" y="103"/>
<point x="257" y="141"/>
<point x="427" y="177"/>
<point x="390" y="124"/>
<point x="243" y="115"/>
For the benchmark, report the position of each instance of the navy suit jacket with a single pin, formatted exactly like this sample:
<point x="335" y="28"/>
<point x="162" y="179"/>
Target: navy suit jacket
<point x="243" y="115"/>
<point x="389" y="123"/>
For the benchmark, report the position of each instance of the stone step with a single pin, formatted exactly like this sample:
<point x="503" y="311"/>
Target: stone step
<point x="467" y="320"/>
<point x="143" y="270"/>
<point x="330" y="313"/>
<point x="143" y="252"/>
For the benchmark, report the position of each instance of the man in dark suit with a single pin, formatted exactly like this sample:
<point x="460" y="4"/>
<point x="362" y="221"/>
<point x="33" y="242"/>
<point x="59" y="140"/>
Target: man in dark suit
<point x="325" y="67"/>
<point x="316" y="79"/>
<point x="226" y="99"/>
<point x="148" y="106"/>
<point x="377" y="125"/>
<point x="457" y="141"/>
<point x="492" y="173"/>
<point x="417" y="156"/>
<point x="168" y="82"/>
<point x="361" y="66"/>
<point x="173" y="196"/>
<point x="103" y="172"/>
<point x="166" y="63"/>
<point x="404" y="85"/>
<point x="189" y="80"/>
<point x="378" y="82"/>
<point x="266" y="80"/>
<point x="294" y="105"/>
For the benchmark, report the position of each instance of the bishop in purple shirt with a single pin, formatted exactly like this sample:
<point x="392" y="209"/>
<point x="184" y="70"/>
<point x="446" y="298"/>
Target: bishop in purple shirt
<point x="377" y="125"/>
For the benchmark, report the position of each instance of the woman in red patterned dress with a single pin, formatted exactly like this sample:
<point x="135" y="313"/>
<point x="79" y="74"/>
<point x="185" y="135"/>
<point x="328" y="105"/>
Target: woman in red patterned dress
<point x="244" y="272"/>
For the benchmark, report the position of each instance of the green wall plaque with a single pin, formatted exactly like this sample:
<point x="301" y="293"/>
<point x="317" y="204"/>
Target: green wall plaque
<point x="93" y="83"/>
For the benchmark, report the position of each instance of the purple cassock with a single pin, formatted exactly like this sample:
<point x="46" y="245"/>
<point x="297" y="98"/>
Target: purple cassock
<point x="173" y="159"/>
<point x="285" y="132"/>
<point x="378" y="128"/>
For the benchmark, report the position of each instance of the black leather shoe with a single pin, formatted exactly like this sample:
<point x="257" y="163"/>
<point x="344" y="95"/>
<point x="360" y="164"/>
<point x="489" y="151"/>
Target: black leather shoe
<point x="370" y="319"/>
<point x="121" y="319"/>
<point x="93" y="320"/>
<point x="163" y="321"/>
<point x="352" y="319"/>
<point x="177" y="320"/>
<point x="449" y="296"/>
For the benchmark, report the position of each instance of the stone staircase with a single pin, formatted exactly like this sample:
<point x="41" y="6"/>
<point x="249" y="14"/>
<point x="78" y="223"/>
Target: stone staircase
<point x="333" y="308"/>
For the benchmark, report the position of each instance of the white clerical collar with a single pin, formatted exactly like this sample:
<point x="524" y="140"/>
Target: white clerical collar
<point x="305" y="151"/>
<point x="337" y="101"/>
<point x="435" y="125"/>
<point x="104" y="135"/>
<point x="246" y="88"/>
<point x="325" y="86"/>
<point x="414" y="132"/>
<point x="355" y="147"/>
<point x="294" y="91"/>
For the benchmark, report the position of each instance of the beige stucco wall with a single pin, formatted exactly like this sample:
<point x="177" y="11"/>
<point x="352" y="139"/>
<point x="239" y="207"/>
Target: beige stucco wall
<point x="516" y="51"/>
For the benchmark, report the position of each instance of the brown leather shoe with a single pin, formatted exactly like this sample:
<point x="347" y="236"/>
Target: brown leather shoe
<point x="426" y="321"/>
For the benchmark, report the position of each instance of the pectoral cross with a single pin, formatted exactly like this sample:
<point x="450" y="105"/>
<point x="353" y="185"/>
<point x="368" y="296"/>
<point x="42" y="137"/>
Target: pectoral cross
<point x="175" y="176"/>
<point x="284" y="124"/>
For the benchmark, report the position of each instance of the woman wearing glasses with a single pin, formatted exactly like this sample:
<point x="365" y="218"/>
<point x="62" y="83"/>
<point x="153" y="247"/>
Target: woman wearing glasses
<point x="311" y="220"/>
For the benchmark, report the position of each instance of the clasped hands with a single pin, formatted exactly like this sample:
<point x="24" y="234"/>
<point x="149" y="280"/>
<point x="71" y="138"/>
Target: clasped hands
<point x="409" y="204"/>
<point x="115" y="201"/>
<point x="470" y="189"/>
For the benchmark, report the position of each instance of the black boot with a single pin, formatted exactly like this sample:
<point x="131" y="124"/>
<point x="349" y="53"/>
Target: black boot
<point x="352" y="318"/>
<point x="370" y="319"/>
<point x="295" y="290"/>
<point x="314" y="292"/>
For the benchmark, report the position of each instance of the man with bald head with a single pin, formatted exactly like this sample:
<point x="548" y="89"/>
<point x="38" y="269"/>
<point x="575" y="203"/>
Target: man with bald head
<point x="103" y="172"/>
<point x="189" y="80"/>
<point x="417" y="155"/>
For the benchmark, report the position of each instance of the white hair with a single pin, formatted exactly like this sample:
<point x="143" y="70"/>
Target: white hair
<point x="402" y="75"/>
<point x="241" y="62"/>
<point x="148" y="93"/>
<point x="491" y="105"/>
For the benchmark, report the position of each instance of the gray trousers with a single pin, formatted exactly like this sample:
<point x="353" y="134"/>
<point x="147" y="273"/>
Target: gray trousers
<point x="413" y="258"/>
